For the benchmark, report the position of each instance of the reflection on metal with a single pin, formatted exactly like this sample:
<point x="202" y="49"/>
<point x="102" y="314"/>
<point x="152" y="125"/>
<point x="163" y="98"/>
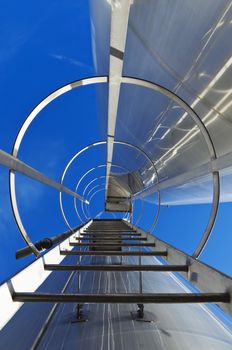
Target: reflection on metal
<point x="118" y="34"/>
<point x="207" y="138"/>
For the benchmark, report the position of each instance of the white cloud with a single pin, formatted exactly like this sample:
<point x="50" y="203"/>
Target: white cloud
<point x="71" y="60"/>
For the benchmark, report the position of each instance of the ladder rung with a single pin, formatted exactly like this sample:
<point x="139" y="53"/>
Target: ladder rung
<point x="109" y="253"/>
<point x="154" y="268"/>
<point x="111" y="234"/>
<point x="157" y="298"/>
<point x="102" y="239"/>
<point x="116" y="230"/>
<point x="74" y="244"/>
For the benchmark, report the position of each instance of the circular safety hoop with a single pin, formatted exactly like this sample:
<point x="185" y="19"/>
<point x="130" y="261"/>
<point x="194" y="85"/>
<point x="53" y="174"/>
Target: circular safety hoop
<point x="124" y="80"/>
<point x="99" y="143"/>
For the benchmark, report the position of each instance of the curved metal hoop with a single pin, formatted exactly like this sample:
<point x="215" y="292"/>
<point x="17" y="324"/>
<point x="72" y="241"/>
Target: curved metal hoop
<point x="89" y="201"/>
<point x="101" y="143"/>
<point x="27" y="122"/>
<point x="93" y="194"/>
<point x="65" y="171"/>
<point x="92" y="169"/>
<point x="155" y="171"/>
<point x="85" y="189"/>
<point x="78" y="184"/>
<point x="91" y="190"/>
<point x="216" y="177"/>
<point x="125" y="80"/>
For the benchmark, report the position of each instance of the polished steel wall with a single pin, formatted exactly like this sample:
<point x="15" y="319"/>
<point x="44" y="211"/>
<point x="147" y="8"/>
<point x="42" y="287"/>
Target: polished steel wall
<point x="187" y="51"/>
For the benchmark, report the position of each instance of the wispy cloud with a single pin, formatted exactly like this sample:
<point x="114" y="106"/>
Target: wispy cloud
<point x="71" y="60"/>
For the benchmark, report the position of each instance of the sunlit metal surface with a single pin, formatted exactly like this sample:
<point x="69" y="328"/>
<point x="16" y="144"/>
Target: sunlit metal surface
<point x="190" y="66"/>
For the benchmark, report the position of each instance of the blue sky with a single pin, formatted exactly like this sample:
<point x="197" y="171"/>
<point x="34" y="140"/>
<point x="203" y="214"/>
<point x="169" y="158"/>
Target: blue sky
<point x="42" y="47"/>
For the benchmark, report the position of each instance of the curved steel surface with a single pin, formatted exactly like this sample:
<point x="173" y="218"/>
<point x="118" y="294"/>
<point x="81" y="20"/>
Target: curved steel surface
<point x="208" y="140"/>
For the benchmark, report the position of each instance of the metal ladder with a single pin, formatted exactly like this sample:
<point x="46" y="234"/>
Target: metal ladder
<point x="106" y="238"/>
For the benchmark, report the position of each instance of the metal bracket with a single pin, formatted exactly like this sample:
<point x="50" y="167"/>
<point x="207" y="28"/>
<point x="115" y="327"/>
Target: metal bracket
<point x="80" y="315"/>
<point x="142" y="316"/>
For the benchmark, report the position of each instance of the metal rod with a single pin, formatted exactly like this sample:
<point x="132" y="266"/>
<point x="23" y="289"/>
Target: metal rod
<point x="109" y="253"/>
<point x="102" y="239"/>
<point x="157" y="298"/>
<point x="140" y="275"/>
<point x="110" y="231"/>
<point x="74" y="244"/>
<point x="154" y="268"/>
<point x="15" y="164"/>
<point x="111" y="234"/>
